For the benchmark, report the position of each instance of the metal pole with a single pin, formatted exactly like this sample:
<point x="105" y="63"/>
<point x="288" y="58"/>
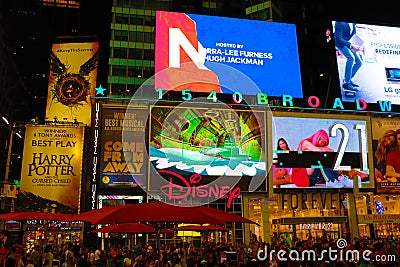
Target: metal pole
<point x="8" y="164"/>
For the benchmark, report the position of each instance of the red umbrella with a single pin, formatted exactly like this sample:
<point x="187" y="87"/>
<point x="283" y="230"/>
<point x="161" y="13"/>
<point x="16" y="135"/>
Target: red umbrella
<point x="157" y="212"/>
<point x="33" y="215"/>
<point x="126" y="228"/>
<point x="201" y="228"/>
<point x="129" y="228"/>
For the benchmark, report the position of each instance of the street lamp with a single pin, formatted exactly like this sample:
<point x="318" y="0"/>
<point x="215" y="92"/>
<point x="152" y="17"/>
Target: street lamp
<point x="14" y="129"/>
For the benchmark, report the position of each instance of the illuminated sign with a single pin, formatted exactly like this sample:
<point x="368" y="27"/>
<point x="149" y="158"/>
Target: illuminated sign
<point x="378" y="76"/>
<point x="180" y="188"/>
<point x="96" y="130"/>
<point x="209" y="142"/>
<point x="384" y="142"/>
<point x="73" y="74"/>
<point x="123" y="162"/>
<point x="286" y="100"/>
<point x="316" y="226"/>
<point x="206" y="53"/>
<point x="379" y="218"/>
<point x="52" y="165"/>
<point x="321" y="151"/>
<point x="202" y="154"/>
<point x="305" y="201"/>
<point x="13" y="226"/>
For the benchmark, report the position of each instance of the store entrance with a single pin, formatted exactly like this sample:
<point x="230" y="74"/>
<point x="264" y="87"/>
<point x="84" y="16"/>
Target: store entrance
<point x="329" y="228"/>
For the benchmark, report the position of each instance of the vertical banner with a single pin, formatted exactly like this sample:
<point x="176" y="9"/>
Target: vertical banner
<point x="72" y="79"/>
<point x="96" y="127"/>
<point x="52" y="166"/>
<point x="123" y="163"/>
<point x="385" y="147"/>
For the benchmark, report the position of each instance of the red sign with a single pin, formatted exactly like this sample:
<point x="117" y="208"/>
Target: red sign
<point x="180" y="187"/>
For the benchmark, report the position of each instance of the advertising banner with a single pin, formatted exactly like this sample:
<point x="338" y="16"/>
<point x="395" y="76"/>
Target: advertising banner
<point x="72" y="79"/>
<point x="317" y="151"/>
<point x="386" y="149"/>
<point x="123" y="160"/>
<point x="374" y="64"/>
<point x="52" y="167"/>
<point x="225" y="55"/>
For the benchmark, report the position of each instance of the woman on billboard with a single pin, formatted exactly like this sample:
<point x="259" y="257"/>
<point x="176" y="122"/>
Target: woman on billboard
<point x="385" y="144"/>
<point x="282" y="175"/>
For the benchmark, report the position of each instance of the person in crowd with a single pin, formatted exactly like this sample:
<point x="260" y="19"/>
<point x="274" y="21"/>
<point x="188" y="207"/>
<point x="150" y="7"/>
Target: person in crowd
<point x="11" y="260"/>
<point x="35" y="256"/>
<point x="48" y="256"/>
<point x="69" y="255"/>
<point x="3" y="247"/>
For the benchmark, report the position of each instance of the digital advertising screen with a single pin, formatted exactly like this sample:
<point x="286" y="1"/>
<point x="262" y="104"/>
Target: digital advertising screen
<point x="123" y="161"/>
<point x="206" y="151"/>
<point x="320" y="151"/>
<point x="374" y="61"/>
<point x="386" y="154"/>
<point x="226" y="55"/>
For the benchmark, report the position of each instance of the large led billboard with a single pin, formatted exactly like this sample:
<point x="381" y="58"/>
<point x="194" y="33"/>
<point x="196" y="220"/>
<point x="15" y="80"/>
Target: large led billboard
<point x="386" y="149"/>
<point x="374" y="64"/>
<point x="226" y="55"/>
<point x="320" y="151"/>
<point x="195" y="149"/>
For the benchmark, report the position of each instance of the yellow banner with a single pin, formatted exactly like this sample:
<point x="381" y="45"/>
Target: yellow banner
<point x="72" y="80"/>
<point x="52" y="165"/>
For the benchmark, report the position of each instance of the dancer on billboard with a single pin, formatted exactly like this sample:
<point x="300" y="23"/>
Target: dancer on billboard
<point x="343" y="33"/>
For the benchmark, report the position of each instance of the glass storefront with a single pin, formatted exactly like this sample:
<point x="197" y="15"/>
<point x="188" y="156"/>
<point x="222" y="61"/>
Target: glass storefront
<point x="378" y="216"/>
<point x="42" y="233"/>
<point x="298" y="215"/>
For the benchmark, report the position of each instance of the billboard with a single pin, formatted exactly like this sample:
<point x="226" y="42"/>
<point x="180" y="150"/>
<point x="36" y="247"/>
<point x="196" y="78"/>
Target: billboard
<point x="206" y="152"/>
<point x="375" y="61"/>
<point x="52" y="166"/>
<point x="72" y="79"/>
<point x="123" y="162"/>
<point x="226" y="55"/>
<point x="320" y="151"/>
<point x="385" y="142"/>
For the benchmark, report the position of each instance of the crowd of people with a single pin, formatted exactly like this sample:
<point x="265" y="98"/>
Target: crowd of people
<point x="185" y="254"/>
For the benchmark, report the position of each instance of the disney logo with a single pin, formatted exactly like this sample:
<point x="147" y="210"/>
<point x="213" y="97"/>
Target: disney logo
<point x="189" y="188"/>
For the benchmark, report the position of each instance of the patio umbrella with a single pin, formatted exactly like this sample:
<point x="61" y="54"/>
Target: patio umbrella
<point x="201" y="228"/>
<point x="126" y="228"/>
<point x="156" y="213"/>
<point x="33" y="215"/>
